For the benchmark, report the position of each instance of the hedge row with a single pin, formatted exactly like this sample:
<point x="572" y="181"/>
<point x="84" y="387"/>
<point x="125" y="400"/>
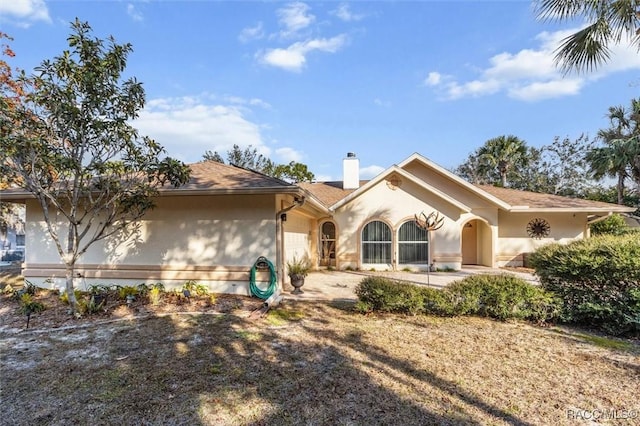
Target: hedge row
<point x="598" y="280"/>
<point x="497" y="296"/>
<point x="593" y="282"/>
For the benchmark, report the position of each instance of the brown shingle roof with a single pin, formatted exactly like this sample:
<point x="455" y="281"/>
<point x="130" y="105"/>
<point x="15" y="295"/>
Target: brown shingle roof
<point x="535" y="200"/>
<point x="328" y="193"/>
<point x="218" y="176"/>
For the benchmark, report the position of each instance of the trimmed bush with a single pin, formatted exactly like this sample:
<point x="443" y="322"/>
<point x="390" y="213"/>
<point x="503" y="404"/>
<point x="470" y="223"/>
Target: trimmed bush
<point x="598" y="280"/>
<point x="502" y="297"/>
<point x="497" y="296"/>
<point x="612" y="225"/>
<point x="385" y="295"/>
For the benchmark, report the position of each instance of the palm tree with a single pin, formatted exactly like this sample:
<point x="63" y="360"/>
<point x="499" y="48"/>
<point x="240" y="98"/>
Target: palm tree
<point x="609" y="22"/>
<point x="502" y="154"/>
<point x="621" y="153"/>
<point x="612" y="161"/>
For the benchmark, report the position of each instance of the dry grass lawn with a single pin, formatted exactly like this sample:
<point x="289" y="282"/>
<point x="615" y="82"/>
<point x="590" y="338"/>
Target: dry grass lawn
<point x="311" y="364"/>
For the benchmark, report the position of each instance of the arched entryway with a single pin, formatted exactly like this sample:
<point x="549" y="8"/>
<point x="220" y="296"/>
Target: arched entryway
<point x="328" y="243"/>
<point x="476" y="243"/>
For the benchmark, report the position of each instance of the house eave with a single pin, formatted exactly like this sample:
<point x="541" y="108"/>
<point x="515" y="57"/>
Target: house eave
<point x="603" y="210"/>
<point x="229" y="191"/>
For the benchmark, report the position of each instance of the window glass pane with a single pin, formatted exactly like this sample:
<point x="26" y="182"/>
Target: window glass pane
<point x="410" y="231"/>
<point x="376" y="243"/>
<point x="376" y="231"/>
<point x="413" y="244"/>
<point x="413" y="253"/>
<point x="376" y="253"/>
<point x="328" y="231"/>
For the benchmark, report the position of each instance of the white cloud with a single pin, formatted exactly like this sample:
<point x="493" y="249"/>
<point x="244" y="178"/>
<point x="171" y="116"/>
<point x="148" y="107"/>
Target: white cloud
<point x="293" y="58"/>
<point x="24" y="12"/>
<point x="189" y="126"/>
<point x="294" y="17"/>
<point x="379" y="102"/>
<point x="531" y="74"/>
<point x="370" y="171"/>
<point x="433" y="79"/>
<point x="549" y="89"/>
<point x="287" y="155"/>
<point x="251" y="33"/>
<point x="344" y="13"/>
<point x="134" y="13"/>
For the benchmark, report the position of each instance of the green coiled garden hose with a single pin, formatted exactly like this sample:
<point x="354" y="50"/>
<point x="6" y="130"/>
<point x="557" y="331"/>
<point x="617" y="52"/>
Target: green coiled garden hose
<point x="273" y="279"/>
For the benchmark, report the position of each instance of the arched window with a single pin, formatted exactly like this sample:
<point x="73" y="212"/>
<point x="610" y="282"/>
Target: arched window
<point x="328" y="244"/>
<point x="413" y="244"/>
<point x="376" y="243"/>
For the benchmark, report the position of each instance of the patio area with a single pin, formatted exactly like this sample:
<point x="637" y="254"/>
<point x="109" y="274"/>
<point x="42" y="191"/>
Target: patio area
<point x="340" y="285"/>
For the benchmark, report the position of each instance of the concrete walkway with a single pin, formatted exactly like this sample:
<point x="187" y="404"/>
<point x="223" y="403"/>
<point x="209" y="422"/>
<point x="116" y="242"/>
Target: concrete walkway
<point x="340" y="285"/>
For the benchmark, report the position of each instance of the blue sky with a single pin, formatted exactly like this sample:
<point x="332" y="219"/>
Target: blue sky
<point x="311" y="81"/>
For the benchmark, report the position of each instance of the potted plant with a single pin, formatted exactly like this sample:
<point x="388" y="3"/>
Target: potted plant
<point x="298" y="269"/>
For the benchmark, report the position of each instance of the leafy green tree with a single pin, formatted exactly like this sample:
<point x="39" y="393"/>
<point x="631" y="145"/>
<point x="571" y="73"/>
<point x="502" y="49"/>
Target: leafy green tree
<point x="498" y="162"/>
<point x="212" y="156"/>
<point x="293" y="172"/>
<point x="612" y="225"/>
<point x="69" y="142"/>
<point x="504" y="154"/>
<point x="564" y="167"/>
<point x="11" y="91"/>
<point x="558" y="168"/>
<point x="609" y="22"/>
<point x="610" y="195"/>
<point x="619" y="158"/>
<point x="471" y="170"/>
<point x="249" y="158"/>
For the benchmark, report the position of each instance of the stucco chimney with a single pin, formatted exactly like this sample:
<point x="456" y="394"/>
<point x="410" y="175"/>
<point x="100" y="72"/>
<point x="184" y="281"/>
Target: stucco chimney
<point x="350" y="171"/>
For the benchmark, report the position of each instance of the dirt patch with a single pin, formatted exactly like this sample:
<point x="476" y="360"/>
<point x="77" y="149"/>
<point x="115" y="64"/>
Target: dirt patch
<point x="58" y="315"/>
<point x="304" y="363"/>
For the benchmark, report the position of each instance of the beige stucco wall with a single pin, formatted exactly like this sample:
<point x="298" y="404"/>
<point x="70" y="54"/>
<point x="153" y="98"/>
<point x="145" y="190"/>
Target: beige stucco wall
<point x="214" y="240"/>
<point x="444" y="184"/>
<point x="297" y="236"/>
<point x="394" y="206"/>
<point x="514" y="242"/>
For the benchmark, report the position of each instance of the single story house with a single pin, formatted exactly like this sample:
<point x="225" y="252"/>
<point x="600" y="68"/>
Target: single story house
<point x="215" y="227"/>
<point x="12" y="236"/>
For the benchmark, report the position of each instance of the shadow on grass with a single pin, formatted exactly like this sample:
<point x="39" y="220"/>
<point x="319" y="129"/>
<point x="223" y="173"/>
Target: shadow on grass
<point x="192" y="370"/>
<point x="225" y="369"/>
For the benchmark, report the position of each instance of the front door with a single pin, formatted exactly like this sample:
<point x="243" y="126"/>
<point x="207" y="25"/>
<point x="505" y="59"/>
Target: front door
<point x="470" y="243"/>
<point x="328" y="244"/>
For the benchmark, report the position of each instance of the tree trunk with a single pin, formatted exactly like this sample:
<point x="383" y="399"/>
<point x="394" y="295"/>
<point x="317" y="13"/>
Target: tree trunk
<point x="620" y="188"/>
<point x="73" y="302"/>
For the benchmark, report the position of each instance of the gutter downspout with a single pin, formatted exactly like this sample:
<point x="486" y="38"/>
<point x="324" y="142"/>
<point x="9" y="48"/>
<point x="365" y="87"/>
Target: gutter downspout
<point x="297" y="202"/>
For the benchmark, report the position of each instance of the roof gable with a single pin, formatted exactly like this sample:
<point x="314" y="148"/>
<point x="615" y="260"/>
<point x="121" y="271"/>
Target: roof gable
<point x="332" y="194"/>
<point x="389" y="173"/>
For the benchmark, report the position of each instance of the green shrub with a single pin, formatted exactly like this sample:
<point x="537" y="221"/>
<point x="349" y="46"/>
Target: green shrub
<point x="195" y="287"/>
<point x="64" y="296"/>
<point x="29" y="306"/>
<point x="385" y="295"/>
<point x="598" y="280"/>
<point x="502" y="297"/>
<point x="496" y="296"/>
<point x="612" y="225"/>
<point x="124" y="292"/>
<point x="155" y="294"/>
